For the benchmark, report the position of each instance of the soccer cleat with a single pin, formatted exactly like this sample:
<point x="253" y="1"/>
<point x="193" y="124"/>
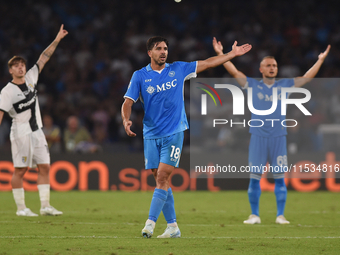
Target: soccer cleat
<point x="26" y="212"/>
<point x="281" y="220"/>
<point x="50" y="210"/>
<point x="253" y="219"/>
<point x="147" y="231"/>
<point x="171" y="232"/>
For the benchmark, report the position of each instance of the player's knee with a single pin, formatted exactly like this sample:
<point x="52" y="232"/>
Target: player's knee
<point x="154" y="172"/>
<point x="162" y="178"/>
<point x="44" y="169"/>
<point x="20" y="172"/>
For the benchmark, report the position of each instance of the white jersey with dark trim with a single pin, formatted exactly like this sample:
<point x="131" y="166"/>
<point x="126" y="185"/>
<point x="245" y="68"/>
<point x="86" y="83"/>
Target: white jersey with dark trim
<point x="21" y="103"/>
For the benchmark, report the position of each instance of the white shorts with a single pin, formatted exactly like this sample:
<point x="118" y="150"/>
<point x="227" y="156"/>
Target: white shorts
<point x="30" y="150"/>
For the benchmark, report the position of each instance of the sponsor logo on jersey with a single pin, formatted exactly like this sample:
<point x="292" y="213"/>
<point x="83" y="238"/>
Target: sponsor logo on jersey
<point x="259" y="87"/>
<point x="148" y="80"/>
<point x="28" y="103"/>
<point x="167" y="85"/>
<point x="172" y="73"/>
<point x="150" y="90"/>
<point x="260" y="96"/>
<point x="270" y="98"/>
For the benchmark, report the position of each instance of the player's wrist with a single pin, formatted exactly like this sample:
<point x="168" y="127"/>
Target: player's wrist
<point x="231" y="54"/>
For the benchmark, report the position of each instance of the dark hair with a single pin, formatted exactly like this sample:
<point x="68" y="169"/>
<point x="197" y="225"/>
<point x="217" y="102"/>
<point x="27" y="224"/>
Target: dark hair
<point x="154" y="41"/>
<point x="15" y="60"/>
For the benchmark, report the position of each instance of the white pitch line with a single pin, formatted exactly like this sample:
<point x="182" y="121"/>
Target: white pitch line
<point x="182" y="224"/>
<point x="196" y="237"/>
<point x="179" y="212"/>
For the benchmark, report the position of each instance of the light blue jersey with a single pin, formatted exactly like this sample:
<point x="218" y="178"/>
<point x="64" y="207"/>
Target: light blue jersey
<point x="263" y="100"/>
<point x="162" y="97"/>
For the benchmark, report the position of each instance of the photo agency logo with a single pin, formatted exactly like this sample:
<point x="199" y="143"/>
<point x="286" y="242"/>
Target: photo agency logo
<point x="204" y="97"/>
<point x="277" y="98"/>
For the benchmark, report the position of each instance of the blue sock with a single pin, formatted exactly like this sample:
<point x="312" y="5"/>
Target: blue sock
<point x="254" y="193"/>
<point x="281" y="195"/>
<point x="169" y="208"/>
<point x="157" y="203"/>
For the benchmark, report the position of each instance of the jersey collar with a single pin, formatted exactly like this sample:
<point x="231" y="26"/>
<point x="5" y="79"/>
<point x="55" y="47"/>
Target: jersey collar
<point x="268" y="86"/>
<point x="148" y="67"/>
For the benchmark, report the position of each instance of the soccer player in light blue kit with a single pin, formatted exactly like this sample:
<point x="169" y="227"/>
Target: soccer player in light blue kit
<point x="268" y="143"/>
<point x="160" y="87"/>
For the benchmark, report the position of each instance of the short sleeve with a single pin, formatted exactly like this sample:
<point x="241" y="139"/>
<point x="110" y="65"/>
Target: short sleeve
<point x="250" y="83"/>
<point x="134" y="88"/>
<point x="33" y="74"/>
<point x="5" y="101"/>
<point x="188" y="69"/>
<point x="287" y="83"/>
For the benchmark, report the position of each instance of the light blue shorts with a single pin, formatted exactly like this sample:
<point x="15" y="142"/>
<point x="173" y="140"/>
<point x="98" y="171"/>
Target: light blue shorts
<point x="268" y="149"/>
<point x="166" y="150"/>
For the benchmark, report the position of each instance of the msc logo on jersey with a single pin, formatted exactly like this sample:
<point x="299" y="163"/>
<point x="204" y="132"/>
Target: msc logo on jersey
<point x="24" y="159"/>
<point x="270" y="98"/>
<point x="167" y="85"/>
<point x="171" y="73"/>
<point x="260" y="96"/>
<point x="267" y="97"/>
<point x="150" y="90"/>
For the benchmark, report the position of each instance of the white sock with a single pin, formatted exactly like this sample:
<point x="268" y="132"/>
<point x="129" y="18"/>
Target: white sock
<point x="44" y="194"/>
<point x="150" y="221"/>
<point x="173" y="225"/>
<point x="19" y="198"/>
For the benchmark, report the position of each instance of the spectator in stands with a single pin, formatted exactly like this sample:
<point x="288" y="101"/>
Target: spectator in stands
<point x="52" y="134"/>
<point x="77" y="138"/>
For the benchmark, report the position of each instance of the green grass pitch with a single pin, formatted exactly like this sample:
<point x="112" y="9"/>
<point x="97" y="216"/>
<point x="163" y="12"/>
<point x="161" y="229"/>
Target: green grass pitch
<point x="211" y="223"/>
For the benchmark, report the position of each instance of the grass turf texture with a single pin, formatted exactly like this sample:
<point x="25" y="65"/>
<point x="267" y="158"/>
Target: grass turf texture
<point x="211" y="223"/>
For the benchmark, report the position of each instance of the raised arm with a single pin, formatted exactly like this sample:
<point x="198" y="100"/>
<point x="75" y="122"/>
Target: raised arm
<point x="126" y="113"/>
<point x="1" y="116"/>
<point x="47" y="53"/>
<point x="310" y="74"/>
<point x="232" y="70"/>
<point x="203" y="65"/>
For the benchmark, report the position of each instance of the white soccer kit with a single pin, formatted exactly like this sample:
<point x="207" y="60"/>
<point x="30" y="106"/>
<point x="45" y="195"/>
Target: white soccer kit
<point x="29" y="146"/>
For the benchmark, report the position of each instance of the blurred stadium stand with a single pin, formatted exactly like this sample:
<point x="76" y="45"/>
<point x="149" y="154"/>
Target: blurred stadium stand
<point x="91" y="68"/>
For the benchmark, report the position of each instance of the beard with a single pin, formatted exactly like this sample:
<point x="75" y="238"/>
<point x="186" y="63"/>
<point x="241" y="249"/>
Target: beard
<point x="159" y="61"/>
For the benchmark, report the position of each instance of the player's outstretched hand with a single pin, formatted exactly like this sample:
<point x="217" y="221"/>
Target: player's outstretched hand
<point x="218" y="47"/>
<point x="324" y="54"/>
<point x="240" y="50"/>
<point x="62" y="33"/>
<point x="127" y="126"/>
